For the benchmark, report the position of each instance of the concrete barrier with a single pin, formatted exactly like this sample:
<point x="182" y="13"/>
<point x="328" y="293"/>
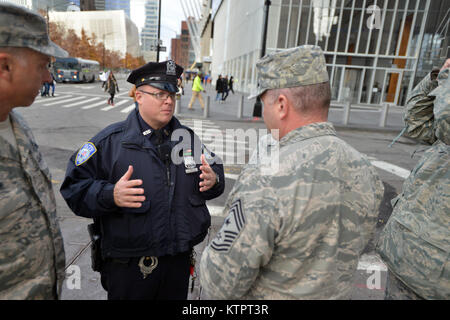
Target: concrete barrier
<point x="206" y="110"/>
<point x="240" y="107"/>
<point x="346" y="116"/>
<point x="384" y="114"/>
<point x="177" y="106"/>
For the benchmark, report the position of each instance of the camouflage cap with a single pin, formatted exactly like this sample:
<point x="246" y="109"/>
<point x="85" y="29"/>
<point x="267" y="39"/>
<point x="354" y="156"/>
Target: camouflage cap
<point x="20" y="27"/>
<point x="300" y="66"/>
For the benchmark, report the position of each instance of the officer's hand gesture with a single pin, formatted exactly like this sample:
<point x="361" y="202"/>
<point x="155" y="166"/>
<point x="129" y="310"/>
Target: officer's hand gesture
<point x="125" y="193"/>
<point x="208" y="175"/>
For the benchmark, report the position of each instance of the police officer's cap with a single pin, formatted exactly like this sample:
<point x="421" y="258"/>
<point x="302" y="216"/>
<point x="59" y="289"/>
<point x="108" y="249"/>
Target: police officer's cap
<point x="161" y="75"/>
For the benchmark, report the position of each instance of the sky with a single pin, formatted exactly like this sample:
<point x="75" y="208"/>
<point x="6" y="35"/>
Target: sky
<point x="171" y="17"/>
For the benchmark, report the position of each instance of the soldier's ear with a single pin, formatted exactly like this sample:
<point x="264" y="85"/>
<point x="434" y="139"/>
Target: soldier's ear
<point x="5" y="66"/>
<point x="282" y="106"/>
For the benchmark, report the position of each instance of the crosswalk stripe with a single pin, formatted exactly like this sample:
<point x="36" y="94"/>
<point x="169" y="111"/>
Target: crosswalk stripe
<point x="229" y="155"/>
<point x="203" y="124"/>
<point x="116" y="105"/>
<point x="389" y="167"/>
<point x="80" y="102"/>
<point x="128" y="109"/>
<point x="94" y="105"/>
<point x="215" y="210"/>
<point x="52" y="99"/>
<point x="64" y="101"/>
<point x="226" y="146"/>
<point x="403" y="173"/>
<point x="231" y="176"/>
<point x="226" y="140"/>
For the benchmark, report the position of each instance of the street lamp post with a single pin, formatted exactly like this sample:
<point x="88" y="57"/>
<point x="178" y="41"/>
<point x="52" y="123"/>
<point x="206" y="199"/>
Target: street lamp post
<point x="257" y="108"/>
<point x="159" y="32"/>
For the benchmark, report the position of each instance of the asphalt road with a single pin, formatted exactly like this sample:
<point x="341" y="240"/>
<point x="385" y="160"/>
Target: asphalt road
<point x="61" y="125"/>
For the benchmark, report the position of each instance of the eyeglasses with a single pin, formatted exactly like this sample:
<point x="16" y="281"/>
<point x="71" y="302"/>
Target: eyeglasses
<point x="160" y="95"/>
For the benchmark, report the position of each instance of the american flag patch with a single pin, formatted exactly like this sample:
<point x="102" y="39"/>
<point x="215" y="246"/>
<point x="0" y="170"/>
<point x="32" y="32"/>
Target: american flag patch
<point x="231" y="228"/>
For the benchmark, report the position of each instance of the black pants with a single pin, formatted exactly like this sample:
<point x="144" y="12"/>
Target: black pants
<point x="111" y="98"/>
<point x="123" y="279"/>
<point x="224" y="95"/>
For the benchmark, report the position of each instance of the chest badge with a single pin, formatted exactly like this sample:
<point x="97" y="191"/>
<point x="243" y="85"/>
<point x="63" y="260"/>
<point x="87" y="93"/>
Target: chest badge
<point x="189" y="162"/>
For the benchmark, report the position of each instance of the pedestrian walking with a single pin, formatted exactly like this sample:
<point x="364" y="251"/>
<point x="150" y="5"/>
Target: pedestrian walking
<point x="32" y="259"/>
<point x="111" y="87"/>
<point x="295" y="230"/>
<point x="414" y="242"/>
<point x="52" y="85"/>
<point x="219" y="88"/>
<point x="225" y="88"/>
<point x="144" y="181"/>
<point x="196" y="92"/>
<point x="230" y="84"/>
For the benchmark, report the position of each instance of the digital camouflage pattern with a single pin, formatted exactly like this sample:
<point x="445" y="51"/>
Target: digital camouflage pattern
<point x="302" y="228"/>
<point x="32" y="256"/>
<point x="397" y="290"/>
<point x="415" y="243"/>
<point x="20" y="27"/>
<point x="301" y="66"/>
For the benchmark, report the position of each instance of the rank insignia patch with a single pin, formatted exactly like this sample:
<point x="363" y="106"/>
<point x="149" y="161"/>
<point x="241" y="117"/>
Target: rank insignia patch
<point x="86" y="151"/>
<point x="231" y="229"/>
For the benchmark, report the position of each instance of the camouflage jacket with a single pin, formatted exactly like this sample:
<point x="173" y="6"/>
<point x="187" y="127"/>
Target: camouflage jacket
<point x="296" y="232"/>
<point x="32" y="256"/>
<point x="415" y="244"/>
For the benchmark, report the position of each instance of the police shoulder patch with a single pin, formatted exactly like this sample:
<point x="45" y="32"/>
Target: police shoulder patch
<point x="231" y="229"/>
<point x="85" y="152"/>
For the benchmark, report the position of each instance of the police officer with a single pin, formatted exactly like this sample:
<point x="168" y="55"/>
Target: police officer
<point x="296" y="228"/>
<point x="144" y="181"/>
<point x="32" y="256"/>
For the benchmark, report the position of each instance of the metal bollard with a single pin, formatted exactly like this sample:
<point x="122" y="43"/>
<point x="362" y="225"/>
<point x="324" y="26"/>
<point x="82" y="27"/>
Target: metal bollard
<point x="346" y="117"/>
<point x="206" y="110"/>
<point x="241" y="107"/>
<point x="177" y="106"/>
<point x="384" y="114"/>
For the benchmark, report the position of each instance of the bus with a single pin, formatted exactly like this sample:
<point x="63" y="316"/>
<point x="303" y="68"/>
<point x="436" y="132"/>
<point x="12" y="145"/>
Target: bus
<point x="75" y="70"/>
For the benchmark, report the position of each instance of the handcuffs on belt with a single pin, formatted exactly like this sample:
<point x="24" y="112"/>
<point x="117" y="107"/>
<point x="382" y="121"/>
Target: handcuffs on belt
<point x="146" y="270"/>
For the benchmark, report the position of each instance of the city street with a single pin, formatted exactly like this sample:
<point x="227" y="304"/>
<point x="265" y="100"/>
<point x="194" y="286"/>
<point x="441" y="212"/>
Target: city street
<point x="61" y="125"/>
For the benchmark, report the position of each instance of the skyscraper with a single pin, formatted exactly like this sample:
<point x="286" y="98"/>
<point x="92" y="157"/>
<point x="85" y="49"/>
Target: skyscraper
<point x="149" y="34"/>
<point x="105" y="5"/>
<point x="117" y="5"/>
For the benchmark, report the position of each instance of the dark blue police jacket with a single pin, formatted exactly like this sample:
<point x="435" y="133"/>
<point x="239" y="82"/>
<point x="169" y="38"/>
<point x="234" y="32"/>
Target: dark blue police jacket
<point x="172" y="219"/>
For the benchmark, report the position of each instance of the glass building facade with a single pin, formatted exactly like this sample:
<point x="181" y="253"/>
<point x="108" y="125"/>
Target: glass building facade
<point x="376" y="50"/>
<point x="118" y="5"/>
<point x="149" y="33"/>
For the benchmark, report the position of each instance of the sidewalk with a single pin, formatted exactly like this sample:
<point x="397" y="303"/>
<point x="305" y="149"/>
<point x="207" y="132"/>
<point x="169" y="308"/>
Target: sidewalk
<point x="361" y="117"/>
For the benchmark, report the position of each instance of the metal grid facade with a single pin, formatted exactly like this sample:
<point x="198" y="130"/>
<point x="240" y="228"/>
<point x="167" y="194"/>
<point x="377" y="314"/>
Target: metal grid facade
<point x="376" y="50"/>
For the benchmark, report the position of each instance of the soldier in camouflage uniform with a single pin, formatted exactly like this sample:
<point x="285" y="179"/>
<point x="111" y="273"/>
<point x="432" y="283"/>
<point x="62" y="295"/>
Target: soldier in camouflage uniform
<point x="296" y="230"/>
<point x="415" y="243"/>
<point x="32" y="256"/>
